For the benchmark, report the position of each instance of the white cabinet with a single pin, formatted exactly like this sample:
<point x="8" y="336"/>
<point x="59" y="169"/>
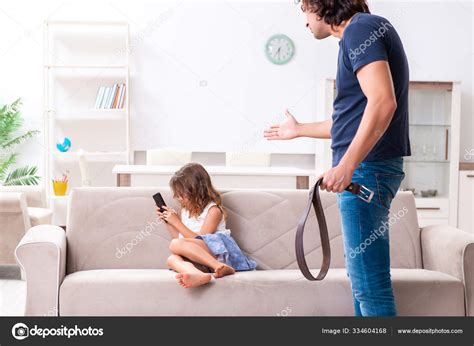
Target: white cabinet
<point x="434" y="164"/>
<point x="58" y="204"/>
<point x="80" y="57"/>
<point x="434" y="119"/>
<point x="432" y="211"/>
<point x="466" y="201"/>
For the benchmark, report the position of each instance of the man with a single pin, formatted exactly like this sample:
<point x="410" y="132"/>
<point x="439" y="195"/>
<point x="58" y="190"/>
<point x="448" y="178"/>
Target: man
<point x="369" y="132"/>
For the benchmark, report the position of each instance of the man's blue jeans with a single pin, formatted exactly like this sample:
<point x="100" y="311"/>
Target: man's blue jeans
<point x="366" y="236"/>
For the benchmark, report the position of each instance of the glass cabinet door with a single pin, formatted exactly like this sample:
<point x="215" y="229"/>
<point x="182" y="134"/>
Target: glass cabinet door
<point x="427" y="169"/>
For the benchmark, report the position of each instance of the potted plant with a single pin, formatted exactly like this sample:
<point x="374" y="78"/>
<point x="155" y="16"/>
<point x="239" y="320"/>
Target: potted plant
<point x="10" y="122"/>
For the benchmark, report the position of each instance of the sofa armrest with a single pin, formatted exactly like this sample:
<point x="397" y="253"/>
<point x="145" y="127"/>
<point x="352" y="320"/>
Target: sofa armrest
<point x="35" y="195"/>
<point x="14" y="202"/>
<point x="15" y="222"/>
<point x="451" y="251"/>
<point x="42" y="255"/>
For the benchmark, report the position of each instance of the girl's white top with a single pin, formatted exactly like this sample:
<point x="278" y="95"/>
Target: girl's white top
<point x="195" y="223"/>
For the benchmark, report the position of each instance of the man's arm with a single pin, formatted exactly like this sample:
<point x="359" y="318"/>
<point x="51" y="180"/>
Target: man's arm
<point x="376" y="83"/>
<point x="290" y="128"/>
<point x="320" y="129"/>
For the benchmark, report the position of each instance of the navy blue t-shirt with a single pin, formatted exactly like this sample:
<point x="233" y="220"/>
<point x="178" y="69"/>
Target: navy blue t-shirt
<point x="366" y="39"/>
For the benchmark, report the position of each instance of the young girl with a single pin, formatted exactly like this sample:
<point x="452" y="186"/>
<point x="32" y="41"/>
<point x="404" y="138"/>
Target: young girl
<point x="202" y="247"/>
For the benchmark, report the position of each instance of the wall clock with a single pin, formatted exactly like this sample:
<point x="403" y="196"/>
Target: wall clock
<point x="279" y="49"/>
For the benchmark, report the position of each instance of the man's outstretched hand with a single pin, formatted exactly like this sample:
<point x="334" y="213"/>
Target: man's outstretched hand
<point x="285" y="130"/>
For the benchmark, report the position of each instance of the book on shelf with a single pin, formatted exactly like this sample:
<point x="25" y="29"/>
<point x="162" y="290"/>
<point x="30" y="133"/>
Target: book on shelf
<point x="110" y="97"/>
<point x="104" y="97"/>
<point x="122" y="96"/>
<point x="100" y="94"/>
<point x="114" y="103"/>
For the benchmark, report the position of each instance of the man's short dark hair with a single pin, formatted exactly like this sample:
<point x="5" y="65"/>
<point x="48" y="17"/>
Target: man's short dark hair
<point x="334" y="12"/>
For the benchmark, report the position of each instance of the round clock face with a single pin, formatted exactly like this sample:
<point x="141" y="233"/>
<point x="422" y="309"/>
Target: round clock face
<point x="279" y="49"/>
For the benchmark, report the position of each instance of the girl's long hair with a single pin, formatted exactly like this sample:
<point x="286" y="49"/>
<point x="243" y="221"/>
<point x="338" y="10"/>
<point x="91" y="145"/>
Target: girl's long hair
<point x="193" y="182"/>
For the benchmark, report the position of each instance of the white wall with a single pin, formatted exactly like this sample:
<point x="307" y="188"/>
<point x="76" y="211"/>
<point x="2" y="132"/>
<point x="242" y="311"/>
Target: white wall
<point x="204" y="83"/>
<point x="200" y="79"/>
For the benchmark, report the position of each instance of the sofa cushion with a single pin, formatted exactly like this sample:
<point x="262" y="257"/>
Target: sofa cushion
<point x="117" y="228"/>
<point x="154" y="292"/>
<point x="265" y="227"/>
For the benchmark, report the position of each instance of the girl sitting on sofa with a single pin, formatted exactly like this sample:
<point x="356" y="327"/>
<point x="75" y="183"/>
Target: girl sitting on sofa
<point x="202" y="247"/>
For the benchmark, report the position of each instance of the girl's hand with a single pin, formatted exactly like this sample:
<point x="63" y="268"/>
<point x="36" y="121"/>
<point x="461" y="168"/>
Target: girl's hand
<point x="161" y="215"/>
<point x="171" y="216"/>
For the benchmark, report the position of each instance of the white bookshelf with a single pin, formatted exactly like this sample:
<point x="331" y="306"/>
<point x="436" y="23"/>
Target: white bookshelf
<point x="79" y="57"/>
<point x="434" y="118"/>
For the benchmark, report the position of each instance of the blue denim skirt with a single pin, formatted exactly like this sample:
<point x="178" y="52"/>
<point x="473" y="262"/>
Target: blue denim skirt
<point x="227" y="251"/>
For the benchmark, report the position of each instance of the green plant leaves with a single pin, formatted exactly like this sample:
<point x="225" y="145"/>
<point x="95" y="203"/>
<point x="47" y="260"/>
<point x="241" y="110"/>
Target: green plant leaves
<point x="10" y="122"/>
<point x="22" y="176"/>
<point x="18" y="140"/>
<point x="5" y="164"/>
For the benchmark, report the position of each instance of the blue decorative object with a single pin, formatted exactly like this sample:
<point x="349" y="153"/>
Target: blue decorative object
<point x="64" y="146"/>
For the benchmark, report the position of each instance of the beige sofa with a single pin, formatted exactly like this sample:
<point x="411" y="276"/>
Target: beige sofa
<point x="20" y="208"/>
<point x="111" y="260"/>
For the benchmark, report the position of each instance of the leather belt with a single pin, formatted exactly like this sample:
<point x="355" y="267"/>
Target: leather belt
<point x="315" y="201"/>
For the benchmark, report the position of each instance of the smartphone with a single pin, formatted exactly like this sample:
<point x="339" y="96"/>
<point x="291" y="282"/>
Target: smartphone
<point x="160" y="202"/>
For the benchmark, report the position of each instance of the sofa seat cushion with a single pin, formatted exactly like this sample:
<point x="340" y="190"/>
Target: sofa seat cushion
<point x="154" y="292"/>
<point x="40" y="216"/>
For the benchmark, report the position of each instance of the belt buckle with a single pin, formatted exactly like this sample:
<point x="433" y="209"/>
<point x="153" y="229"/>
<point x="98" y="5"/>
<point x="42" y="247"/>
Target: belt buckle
<point x="365" y="194"/>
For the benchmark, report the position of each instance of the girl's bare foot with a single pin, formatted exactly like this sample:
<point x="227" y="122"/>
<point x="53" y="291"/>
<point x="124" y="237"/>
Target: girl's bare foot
<point x="188" y="280"/>
<point x="223" y="270"/>
<point x="180" y="280"/>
